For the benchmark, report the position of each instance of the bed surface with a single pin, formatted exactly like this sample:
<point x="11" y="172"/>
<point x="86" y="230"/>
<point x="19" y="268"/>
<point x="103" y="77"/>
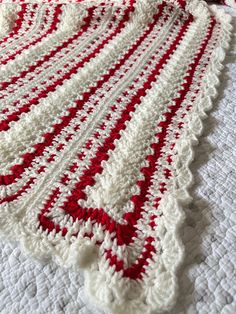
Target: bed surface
<point x="207" y="278"/>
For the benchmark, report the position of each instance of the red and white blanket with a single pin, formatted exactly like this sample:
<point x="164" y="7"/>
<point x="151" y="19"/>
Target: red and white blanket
<point x="100" y="105"/>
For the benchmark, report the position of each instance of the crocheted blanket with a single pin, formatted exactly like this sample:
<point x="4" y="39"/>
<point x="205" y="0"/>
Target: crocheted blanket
<point x="100" y="105"/>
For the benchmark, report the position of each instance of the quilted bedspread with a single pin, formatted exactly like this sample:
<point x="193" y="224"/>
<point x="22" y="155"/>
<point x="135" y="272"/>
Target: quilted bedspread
<point x="207" y="278"/>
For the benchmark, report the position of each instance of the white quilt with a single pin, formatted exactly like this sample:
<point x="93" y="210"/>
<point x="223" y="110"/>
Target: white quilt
<point x="208" y="277"/>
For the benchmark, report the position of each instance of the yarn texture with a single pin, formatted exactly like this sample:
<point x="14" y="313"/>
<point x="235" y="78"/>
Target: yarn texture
<point x="231" y="3"/>
<point x="101" y="103"/>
